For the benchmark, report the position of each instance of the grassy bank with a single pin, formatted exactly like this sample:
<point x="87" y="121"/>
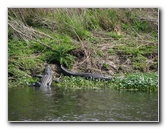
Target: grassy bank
<point x="115" y="42"/>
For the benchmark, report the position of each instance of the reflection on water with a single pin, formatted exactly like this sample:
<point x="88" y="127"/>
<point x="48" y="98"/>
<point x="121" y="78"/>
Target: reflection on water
<point x="27" y="104"/>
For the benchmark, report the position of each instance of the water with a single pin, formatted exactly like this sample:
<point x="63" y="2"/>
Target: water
<point x="56" y="104"/>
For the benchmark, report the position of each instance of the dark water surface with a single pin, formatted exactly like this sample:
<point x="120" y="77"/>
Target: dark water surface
<point x="27" y="104"/>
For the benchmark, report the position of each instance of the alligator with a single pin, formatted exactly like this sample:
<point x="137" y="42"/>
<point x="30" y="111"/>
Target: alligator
<point x="86" y="75"/>
<point x="46" y="79"/>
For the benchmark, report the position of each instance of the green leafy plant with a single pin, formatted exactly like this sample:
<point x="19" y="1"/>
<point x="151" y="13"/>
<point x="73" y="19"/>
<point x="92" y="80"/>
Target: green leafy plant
<point x="62" y="54"/>
<point x="142" y="82"/>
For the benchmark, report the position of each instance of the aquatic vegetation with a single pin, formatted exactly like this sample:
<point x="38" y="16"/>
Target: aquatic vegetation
<point x="136" y="81"/>
<point x="81" y="83"/>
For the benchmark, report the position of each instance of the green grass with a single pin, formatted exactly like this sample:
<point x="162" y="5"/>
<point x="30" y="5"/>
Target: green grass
<point x="114" y="35"/>
<point x="27" y="57"/>
<point x="93" y="39"/>
<point x="138" y="54"/>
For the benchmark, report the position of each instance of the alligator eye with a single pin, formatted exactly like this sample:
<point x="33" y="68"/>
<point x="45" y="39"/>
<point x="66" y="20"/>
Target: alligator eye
<point x="48" y="84"/>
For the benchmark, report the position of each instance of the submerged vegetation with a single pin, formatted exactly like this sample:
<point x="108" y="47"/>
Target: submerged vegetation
<point x="118" y="42"/>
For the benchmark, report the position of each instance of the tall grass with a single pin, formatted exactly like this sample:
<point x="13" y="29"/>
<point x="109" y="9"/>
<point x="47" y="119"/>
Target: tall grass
<point x="104" y="40"/>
